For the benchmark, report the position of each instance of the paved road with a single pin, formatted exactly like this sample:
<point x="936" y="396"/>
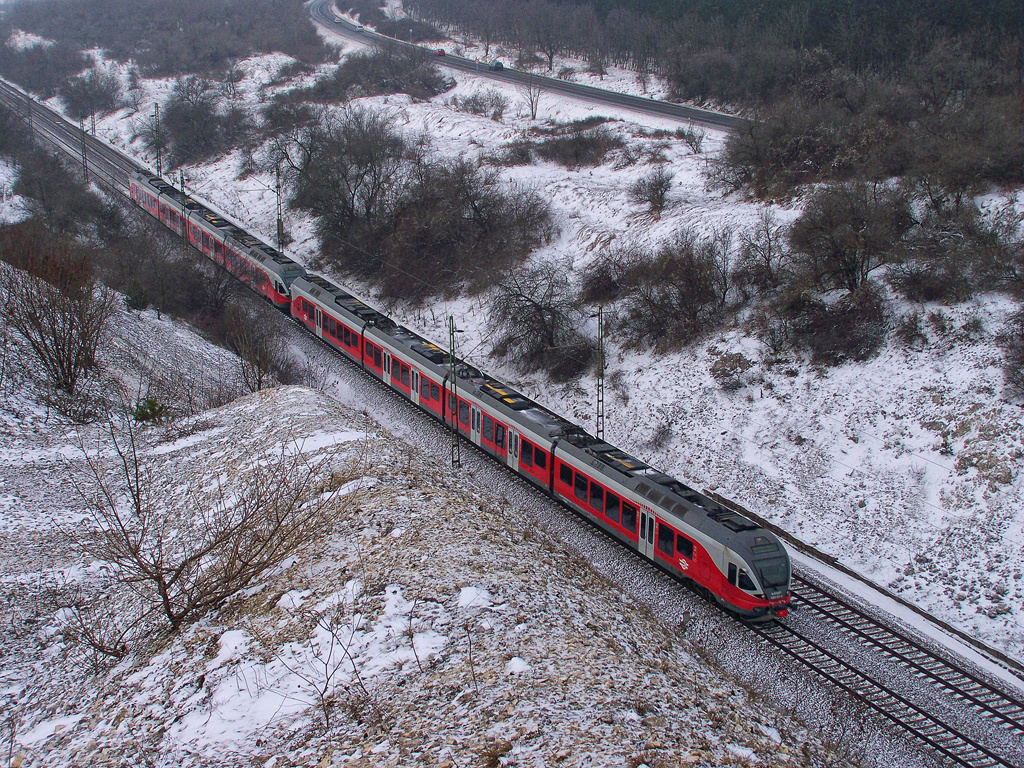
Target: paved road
<point x="320" y="11"/>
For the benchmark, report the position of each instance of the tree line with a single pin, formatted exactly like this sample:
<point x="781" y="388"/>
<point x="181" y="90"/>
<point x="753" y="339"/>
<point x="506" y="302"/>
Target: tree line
<point x="166" y="38"/>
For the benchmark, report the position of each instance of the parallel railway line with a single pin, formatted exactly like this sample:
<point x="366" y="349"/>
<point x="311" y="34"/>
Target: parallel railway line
<point x="950" y="722"/>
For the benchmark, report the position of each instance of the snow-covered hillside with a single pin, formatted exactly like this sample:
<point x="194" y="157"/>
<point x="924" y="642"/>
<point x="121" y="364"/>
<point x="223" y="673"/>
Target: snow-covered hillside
<point x="431" y="623"/>
<point x="907" y="467"/>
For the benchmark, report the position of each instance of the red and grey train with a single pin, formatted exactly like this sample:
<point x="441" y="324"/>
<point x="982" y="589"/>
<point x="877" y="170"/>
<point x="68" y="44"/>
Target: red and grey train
<point x="741" y="565"/>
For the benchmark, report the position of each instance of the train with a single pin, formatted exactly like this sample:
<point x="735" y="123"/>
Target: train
<point x="732" y="559"/>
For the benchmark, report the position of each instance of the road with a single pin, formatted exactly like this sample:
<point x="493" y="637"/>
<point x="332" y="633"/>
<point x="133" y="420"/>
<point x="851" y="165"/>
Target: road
<point x="320" y="11"/>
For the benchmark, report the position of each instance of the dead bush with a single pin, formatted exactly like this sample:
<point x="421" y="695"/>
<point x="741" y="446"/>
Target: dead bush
<point x="847" y="231"/>
<point x="652" y="190"/>
<point x="490" y="102"/>
<point x="851" y="328"/>
<point x="386" y="69"/>
<point x="1012" y="341"/>
<point x="764" y="261"/>
<point x="672" y="296"/>
<point x="49" y="295"/>
<point x="183" y="552"/>
<point x="535" y="318"/>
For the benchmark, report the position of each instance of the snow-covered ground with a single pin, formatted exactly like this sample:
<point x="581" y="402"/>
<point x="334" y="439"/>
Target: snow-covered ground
<point x="907" y="467"/>
<point x="11" y="205"/>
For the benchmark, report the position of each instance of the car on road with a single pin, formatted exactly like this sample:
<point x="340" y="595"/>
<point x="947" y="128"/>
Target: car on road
<point x="496" y="66"/>
<point x="440" y="52"/>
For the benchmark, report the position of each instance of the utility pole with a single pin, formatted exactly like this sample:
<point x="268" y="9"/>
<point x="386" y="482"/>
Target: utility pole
<point x="600" y="372"/>
<point x="280" y="209"/>
<point x="93" y="119"/>
<point x="85" y="161"/>
<point x="184" y="208"/>
<point x="158" y="136"/>
<point x="454" y="396"/>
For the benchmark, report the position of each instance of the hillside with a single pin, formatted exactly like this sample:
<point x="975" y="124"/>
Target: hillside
<point x="432" y="622"/>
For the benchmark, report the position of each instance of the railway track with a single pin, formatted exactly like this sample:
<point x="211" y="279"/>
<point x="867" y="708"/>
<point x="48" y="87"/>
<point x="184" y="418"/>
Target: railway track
<point x="867" y="656"/>
<point x="919" y="688"/>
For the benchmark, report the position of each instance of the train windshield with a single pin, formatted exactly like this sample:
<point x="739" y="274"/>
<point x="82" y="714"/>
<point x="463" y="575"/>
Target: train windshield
<point x="774" y="573"/>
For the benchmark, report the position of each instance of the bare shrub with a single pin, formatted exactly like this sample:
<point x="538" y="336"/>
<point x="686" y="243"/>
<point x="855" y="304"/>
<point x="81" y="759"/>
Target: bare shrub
<point x="382" y="70"/>
<point x="852" y="328"/>
<point x="579" y="146"/>
<point x="535" y="316"/>
<point x="847" y="231"/>
<point x="260" y="346"/>
<point x="48" y="295"/>
<point x="729" y="369"/>
<point x="183" y="554"/>
<point x="93" y="629"/>
<point x="652" y="190"/>
<point x="910" y="331"/>
<point x="1012" y="341"/>
<point x="95" y="92"/>
<point x="764" y="260"/>
<point x="489" y="102"/>
<point x="672" y="296"/>
<point x="693" y="137"/>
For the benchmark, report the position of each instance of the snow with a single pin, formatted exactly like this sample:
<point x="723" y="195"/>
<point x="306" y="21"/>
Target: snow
<point x="882" y="464"/>
<point x="906" y="468"/>
<point x="12" y="206"/>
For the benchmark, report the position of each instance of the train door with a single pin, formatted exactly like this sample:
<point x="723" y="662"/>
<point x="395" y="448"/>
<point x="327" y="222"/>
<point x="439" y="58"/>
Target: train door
<point x="319" y="323"/>
<point x="513" y="449"/>
<point x="387" y="368"/>
<point x="475" y="426"/>
<point x="645" y="541"/>
<point x="414" y="393"/>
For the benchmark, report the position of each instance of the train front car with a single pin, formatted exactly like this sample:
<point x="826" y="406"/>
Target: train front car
<point x="757" y="575"/>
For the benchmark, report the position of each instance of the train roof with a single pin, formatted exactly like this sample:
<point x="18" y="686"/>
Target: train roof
<point x="257" y="249"/>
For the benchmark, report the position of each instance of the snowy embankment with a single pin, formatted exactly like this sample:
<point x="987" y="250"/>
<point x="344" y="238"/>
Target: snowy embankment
<point x="426" y="625"/>
<point x="907" y="467"/>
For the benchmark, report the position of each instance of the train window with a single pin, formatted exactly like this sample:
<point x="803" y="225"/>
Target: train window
<point x="628" y="517"/>
<point x="405" y="374"/>
<point x="499" y="436"/>
<point x="684" y="546"/>
<point x="345" y="335"/>
<point x="488" y="429"/>
<point x="540" y="459"/>
<point x="377" y="358"/>
<point x="526" y="454"/>
<point x="666" y="539"/>
<point x="580" y="487"/>
<point x="596" y="496"/>
<point x="464" y="413"/>
<point x="565" y="474"/>
<point x="611" y="507"/>
<point x="435" y="391"/>
<point x="744" y="582"/>
<point x="732" y="574"/>
<point x="333" y="327"/>
<point x="424" y="389"/>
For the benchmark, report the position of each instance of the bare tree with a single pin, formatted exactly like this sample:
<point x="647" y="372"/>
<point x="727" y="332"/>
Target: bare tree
<point x="653" y="189"/>
<point x="183" y="554"/>
<point x="260" y="347"/>
<point x="847" y="231"/>
<point x="764" y="256"/>
<point x="57" y="306"/>
<point x="531" y="92"/>
<point x="535" y="317"/>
